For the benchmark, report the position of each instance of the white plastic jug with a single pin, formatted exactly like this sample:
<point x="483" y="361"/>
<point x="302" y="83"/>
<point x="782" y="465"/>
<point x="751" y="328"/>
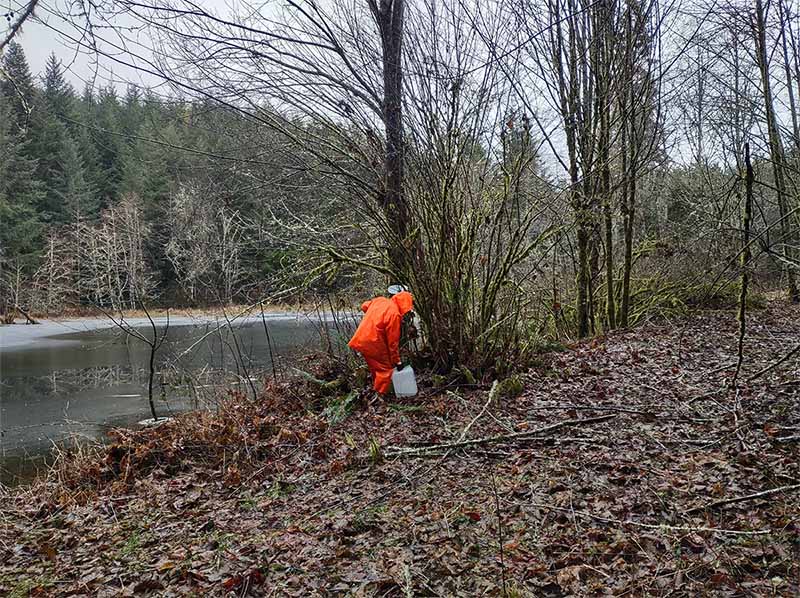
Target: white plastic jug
<point x="404" y="382"/>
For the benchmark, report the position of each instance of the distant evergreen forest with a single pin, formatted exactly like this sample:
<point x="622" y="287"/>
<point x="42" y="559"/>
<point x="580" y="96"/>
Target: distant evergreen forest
<point x="107" y="198"/>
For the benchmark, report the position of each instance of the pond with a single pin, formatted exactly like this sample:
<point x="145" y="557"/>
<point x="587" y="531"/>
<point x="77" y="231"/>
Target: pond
<point x="65" y="381"/>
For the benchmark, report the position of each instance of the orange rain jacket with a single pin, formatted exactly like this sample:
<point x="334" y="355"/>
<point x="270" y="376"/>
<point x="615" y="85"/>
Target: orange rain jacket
<point x="378" y="336"/>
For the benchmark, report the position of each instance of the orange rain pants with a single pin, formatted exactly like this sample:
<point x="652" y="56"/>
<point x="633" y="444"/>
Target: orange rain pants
<point x="378" y="336"/>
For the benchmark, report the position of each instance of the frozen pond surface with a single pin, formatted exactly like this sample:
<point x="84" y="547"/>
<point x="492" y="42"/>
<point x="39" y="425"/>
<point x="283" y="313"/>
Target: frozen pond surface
<point x="62" y="380"/>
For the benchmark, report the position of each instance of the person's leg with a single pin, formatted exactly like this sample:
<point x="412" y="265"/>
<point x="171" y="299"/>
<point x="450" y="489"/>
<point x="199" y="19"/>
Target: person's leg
<point x="382" y="380"/>
<point x="381" y="375"/>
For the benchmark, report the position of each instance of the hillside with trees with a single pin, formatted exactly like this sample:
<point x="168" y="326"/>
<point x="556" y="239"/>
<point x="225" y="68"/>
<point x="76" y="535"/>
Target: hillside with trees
<point x="110" y="198"/>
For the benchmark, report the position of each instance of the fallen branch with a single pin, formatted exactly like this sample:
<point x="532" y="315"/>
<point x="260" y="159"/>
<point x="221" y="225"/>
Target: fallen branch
<point x="28" y="318"/>
<point x="769" y="368"/>
<point x="729" y="501"/>
<point x="663" y="527"/>
<point x="708" y="395"/>
<point x="593" y="408"/>
<point x="492" y="395"/>
<point x="591" y="442"/>
<point x="746" y="256"/>
<point x="447" y="446"/>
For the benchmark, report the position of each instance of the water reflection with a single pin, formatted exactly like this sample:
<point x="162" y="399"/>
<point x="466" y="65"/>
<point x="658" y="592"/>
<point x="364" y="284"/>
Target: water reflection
<point x="77" y="385"/>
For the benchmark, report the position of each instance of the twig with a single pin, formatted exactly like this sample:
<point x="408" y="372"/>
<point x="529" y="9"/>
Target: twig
<point x="269" y="344"/>
<point x="723" y="367"/>
<point x="787" y="438"/>
<point x="708" y="395"/>
<point x="447" y="446"/>
<point x="737" y="427"/>
<point x="728" y="501"/>
<point x="492" y="395"/>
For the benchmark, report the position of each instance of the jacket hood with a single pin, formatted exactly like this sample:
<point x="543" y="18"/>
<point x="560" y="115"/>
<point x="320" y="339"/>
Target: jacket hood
<point x="404" y="302"/>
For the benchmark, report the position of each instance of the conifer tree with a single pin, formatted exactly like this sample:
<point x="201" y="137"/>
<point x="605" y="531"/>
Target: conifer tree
<point x="78" y="196"/>
<point x="131" y="113"/>
<point x="16" y="86"/>
<point x="108" y="143"/>
<point x="84" y="137"/>
<point x="58" y="94"/>
<point x="46" y="139"/>
<point x="146" y="166"/>
<point x="20" y="193"/>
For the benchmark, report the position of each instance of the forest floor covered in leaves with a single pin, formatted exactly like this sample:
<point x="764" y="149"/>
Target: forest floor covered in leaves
<point x="627" y="466"/>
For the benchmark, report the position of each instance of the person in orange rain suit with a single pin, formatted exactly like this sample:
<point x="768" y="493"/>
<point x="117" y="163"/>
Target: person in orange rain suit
<point x="378" y="336"/>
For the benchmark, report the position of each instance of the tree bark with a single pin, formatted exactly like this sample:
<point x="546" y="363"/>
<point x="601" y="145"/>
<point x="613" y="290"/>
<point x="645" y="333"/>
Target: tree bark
<point x="786" y="29"/>
<point x="775" y="148"/>
<point x="746" y="221"/>
<point x="627" y="218"/>
<point x="584" y="275"/>
<point x="604" y="154"/>
<point x="389" y="16"/>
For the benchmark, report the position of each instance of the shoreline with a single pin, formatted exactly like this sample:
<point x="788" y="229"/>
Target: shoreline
<point x="19" y="336"/>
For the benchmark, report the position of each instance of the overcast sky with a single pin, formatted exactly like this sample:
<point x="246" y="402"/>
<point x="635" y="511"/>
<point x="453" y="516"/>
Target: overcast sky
<point x="40" y="39"/>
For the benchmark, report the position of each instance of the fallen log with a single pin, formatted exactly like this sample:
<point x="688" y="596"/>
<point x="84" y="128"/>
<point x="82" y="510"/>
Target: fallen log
<point x="28" y="318"/>
<point x="448" y="446"/>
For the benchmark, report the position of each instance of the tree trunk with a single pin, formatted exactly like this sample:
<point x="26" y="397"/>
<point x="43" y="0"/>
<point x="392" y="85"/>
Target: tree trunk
<point x="746" y="220"/>
<point x="605" y="136"/>
<point x="631" y="172"/>
<point x="389" y="16"/>
<point x="776" y="150"/>
<point x="603" y="24"/>
<point x="628" y="253"/>
<point x="785" y="21"/>
<point x="627" y="215"/>
<point x="584" y="275"/>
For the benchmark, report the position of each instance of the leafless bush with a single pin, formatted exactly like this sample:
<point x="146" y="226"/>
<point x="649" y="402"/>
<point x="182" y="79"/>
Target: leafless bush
<point x="115" y="271"/>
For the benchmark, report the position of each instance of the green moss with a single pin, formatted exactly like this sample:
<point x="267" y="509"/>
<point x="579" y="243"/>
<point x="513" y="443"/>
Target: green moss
<point x="469" y="377"/>
<point x="280" y="489"/>
<point x="21" y="588"/>
<point x="547" y="345"/>
<point x="511" y="387"/>
<point x="339" y="408"/>
<point x="438" y="380"/>
<point x="711" y="296"/>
